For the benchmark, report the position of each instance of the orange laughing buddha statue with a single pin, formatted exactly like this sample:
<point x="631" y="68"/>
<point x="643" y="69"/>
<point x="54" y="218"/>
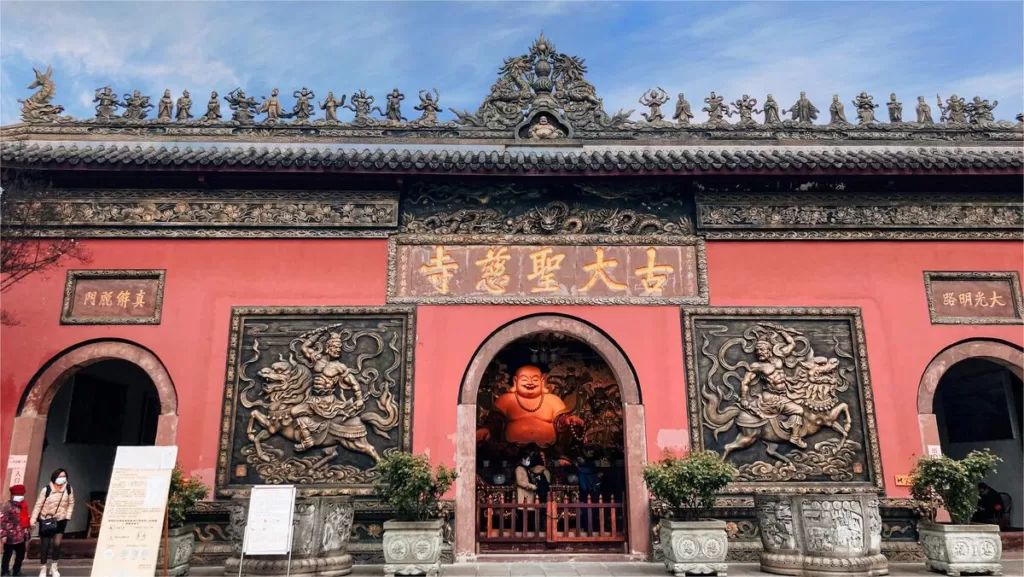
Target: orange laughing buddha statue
<point x="533" y="414"/>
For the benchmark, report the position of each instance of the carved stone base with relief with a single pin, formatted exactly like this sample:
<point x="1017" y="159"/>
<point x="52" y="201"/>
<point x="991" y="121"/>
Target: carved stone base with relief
<point x="413" y="547"/>
<point x="181" y="542"/>
<point x="821" y="535"/>
<point x="322" y="526"/>
<point x="959" y="549"/>
<point x="694" y="547"/>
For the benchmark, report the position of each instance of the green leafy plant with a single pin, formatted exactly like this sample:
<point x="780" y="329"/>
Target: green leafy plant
<point x="689" y="484"/>
<point x="951" y="484"/>
<point x="411" y="486"/>
<point x="182" y="497"/>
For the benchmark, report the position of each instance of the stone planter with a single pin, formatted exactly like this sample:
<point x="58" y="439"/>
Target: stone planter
<point x="821" y="535"/>
<point x="956" y="549"/>
<point x="694" y="547"/>
<point x="412" y="547"/>
<point x="181" y="542"/>
<point x="319" y="540"/>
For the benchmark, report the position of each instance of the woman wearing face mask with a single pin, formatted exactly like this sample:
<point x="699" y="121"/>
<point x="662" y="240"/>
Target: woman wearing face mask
<point x="53" y="508"/>
<point x="15" y="530"/>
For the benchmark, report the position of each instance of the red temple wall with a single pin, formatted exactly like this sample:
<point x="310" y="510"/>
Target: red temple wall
<point x="205" y="278"/>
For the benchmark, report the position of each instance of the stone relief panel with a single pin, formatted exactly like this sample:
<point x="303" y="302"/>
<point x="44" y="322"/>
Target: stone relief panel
<point x="785" y="396"/>
<point x="315" y="397"/>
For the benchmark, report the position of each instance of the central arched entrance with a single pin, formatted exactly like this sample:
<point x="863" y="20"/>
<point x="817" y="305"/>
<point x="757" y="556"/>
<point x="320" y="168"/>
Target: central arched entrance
<point x="588" y="368"/>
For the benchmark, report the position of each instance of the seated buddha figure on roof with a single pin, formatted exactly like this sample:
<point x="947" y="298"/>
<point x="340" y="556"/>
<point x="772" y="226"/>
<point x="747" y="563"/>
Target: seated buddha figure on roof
<point x="533" y="414"/>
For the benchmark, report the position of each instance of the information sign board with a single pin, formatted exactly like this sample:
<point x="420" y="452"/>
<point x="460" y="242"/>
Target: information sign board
<point x="133" y="515"/>
<point x="268" y="526"/>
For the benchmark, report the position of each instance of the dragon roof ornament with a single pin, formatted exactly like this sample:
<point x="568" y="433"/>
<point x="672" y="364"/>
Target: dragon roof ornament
<point x="541" y="95"/>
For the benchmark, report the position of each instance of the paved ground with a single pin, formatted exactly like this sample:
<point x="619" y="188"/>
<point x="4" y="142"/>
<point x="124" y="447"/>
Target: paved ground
<point x="1013" y="568"/>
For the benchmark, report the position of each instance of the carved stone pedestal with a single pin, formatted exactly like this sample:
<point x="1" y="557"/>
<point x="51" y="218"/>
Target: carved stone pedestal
<point x="956" y="549"/>
<point x="412" y="547"/>
<point x="694" y="547"/>
<point x="181" y="541"/>
<point x="319" y="540"/>
<point x="821" y="535"/>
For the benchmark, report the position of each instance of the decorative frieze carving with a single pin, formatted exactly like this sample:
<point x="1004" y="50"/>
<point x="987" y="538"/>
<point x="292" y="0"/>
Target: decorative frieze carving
<point x="108" y="212"/>
<point x="315" y="396"/>
<point x="785" y="396"/>
<point x="974" y="298"/>
<point x="856" y="217"/>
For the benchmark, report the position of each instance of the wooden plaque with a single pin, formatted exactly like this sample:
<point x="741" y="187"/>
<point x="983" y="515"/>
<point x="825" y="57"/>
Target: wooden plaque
<point x="567" y="269"/>
<point x="113" y="297"/>
<point x="973" y="298"/>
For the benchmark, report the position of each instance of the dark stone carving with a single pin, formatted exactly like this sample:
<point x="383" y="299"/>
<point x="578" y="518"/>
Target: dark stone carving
<point x="784" y="395"/>
<point x="95" y="212"/>
<point x="924" y="112"/>
<point x="243" y="108"/>
<point x="653" y="99"/>
<point x="683" y="114"/>
<point x="544" y="80"/>
<point x="165" y="108"/>
<point x="717" y="109"/>
<point x="803" y="111"/>
<point x="895" y="109"/>
<point x="894" y="216"/>
<point x="361" y="104"/>
<point x="303" y="109"/>
<point x="330" y="107"/>
<point x="954" y="111"/>
<point x="865" y="105"/>
<point x="745" y="108"/>
<point x="107" y="103"/>
<point x="553" y="218"/>
<point x="315" y="396"/>
<point x="212" y="109"/>
<point x="430" y="106"/>
<point x="980" y="111"/>
<point x="771" y="111"/>
<point x="37" y="107"/>
<point x="393" y="111"/>
<point x="184" y="113"/>
<point x="136" y="106"/>
<point x="837" y="112"/>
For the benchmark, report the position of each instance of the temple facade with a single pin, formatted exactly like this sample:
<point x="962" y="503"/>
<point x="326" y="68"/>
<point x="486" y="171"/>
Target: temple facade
<point x="289" y="288"/>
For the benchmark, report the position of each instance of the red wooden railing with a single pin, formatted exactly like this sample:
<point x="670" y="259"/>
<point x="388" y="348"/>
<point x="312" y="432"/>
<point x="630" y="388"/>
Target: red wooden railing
<point x="552" y="522"/>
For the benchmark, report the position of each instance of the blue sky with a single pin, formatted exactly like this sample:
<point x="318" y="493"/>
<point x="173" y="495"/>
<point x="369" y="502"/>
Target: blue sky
<point x="912" y="48"/>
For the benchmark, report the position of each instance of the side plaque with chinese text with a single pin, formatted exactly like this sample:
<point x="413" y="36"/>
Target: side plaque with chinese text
<point x="113" y="297"/>
<point x="569" y="269"/>
<point x="973" y="298"/>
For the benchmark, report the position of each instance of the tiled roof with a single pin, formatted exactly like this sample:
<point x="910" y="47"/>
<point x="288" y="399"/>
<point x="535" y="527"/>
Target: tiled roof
<point x="441" y="160"/>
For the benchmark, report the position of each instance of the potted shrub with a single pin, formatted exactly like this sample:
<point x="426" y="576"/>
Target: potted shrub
<point x="958" y="546"/>
<point x="691" y="543"/>
<point x="180" y="538"/>
<point x="412" y="541"/>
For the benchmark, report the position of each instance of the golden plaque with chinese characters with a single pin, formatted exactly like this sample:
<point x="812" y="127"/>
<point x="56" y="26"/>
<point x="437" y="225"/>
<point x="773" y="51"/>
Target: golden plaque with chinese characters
<point x="113" y="297"/>
<point x="979" y="298"/>
<point x="568" y="269"/>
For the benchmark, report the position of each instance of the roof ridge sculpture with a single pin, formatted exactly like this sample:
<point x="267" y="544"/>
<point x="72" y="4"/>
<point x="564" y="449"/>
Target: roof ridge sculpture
<point x="541" y="95"/>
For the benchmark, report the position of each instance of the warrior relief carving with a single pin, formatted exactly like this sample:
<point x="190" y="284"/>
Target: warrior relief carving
<point x="782" y="400"/>
<point x="317" y="400"/>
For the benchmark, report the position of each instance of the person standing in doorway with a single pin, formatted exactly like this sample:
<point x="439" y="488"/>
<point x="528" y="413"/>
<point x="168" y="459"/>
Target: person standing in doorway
<point x="15" y="530"/>
<point x="53" y="508"/>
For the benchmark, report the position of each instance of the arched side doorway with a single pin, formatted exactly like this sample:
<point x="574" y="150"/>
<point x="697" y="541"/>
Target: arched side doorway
<point x="970" y="398"/>
<point x="638" y="514"/>
<point x="30" y="425"/>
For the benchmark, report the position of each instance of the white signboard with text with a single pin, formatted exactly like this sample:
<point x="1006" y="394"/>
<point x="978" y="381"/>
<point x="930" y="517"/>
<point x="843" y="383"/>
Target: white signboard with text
<point x="133" y="516"/>
<point x="268" y="526"/>
<point x="16" y="465"/>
